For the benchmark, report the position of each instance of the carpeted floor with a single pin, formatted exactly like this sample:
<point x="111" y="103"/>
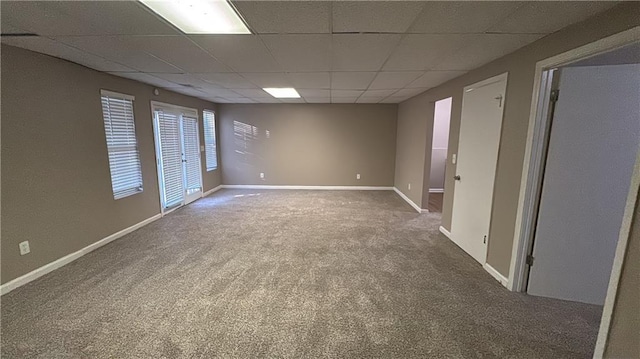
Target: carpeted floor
<point x="287" y="274"/>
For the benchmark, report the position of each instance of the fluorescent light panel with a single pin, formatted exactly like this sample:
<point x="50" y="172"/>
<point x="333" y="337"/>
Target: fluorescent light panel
<point x="282" y="92"/>
<point x="199" y="17"/>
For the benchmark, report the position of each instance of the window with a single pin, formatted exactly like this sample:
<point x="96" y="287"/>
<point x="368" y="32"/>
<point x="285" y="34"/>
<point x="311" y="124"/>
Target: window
<point x="124" y="159"/>
<point x="211" y="151"/>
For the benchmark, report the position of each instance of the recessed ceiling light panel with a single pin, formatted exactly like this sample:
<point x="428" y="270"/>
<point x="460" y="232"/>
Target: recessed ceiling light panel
<point x="199" y="16"/>
<point x="282" y="92"/>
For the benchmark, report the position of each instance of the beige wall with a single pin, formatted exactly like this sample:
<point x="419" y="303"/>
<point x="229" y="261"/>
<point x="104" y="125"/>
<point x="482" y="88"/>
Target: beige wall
<point x="521" y="67"/>
<point x="308" y="144"/>
<point x="624" y="333"/>
<point x="56" y="185"/>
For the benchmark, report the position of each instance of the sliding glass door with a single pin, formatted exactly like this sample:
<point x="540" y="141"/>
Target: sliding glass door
<point x="177" y="155"/>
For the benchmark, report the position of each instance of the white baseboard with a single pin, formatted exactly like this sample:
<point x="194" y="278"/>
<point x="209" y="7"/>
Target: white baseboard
<point x="216" y="189"/>
<point x="436" y="190"/>
<point x="499" y="277"/>
<point x="445" y="232"/>
<point x="47" y="268"/>
<point x="411" y="203"/>
<point x="330" y="188"/>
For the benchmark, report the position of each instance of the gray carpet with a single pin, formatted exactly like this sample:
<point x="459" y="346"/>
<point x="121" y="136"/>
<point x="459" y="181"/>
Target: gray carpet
<point x="287" y="274"/>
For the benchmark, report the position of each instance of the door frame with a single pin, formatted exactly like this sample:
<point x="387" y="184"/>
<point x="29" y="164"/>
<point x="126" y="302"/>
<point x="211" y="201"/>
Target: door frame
<point x="532" y="170"/>
<point x="183" y="110"/>
<point x="491" y="80"/>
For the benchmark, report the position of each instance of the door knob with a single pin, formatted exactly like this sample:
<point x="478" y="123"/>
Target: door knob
<point x="456" y="177"/>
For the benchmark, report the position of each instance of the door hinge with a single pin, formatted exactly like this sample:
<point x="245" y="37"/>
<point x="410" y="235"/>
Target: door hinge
<point x="529" y="260"/>
<point x="554" y="95"/>
<point x="485" y="239"/>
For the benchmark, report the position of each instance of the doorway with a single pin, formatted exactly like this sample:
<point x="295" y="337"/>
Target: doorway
<point x="439" y="147"/>
<point x="594" y="136"/>
<point x="177" y="142"/>
<point x="480" y="129"/>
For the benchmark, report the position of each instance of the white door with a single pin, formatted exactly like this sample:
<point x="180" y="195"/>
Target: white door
<point x="191" y="165"/>
<point x="482" y="108"/>
<point x="169" y="159"/>
<point x="592" y="150"/>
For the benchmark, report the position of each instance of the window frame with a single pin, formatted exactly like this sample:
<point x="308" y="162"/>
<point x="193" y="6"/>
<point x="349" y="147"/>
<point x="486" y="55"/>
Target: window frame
<point x="113" y="149"/>
<point x="215" y="140"/>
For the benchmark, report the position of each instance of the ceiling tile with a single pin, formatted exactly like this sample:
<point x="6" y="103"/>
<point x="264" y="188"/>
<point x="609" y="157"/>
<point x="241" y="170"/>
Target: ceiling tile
<point x="378" y="93"/>
<point x="363" y="99"/>
<point x="361" y="52"/>
<point x="145" y="78"/>
<point x="178" y="51"/>
<point x="317" y="99"/>
<point x="316" y="93"/>
<point x="409" y="92"/>
<point x="240" y="100"/>
<point x="226" y="93"/>
<point x="253" y="93"/>
<point x="57" y="49"/>
<point x="421" y="52"/>
<point x="393" y="80"/>
<point x="394" y="99"/>
<point x="243" y="53"/>
<point x="345" y="93"/>
<point x="268" y="79"/>
<point x="351" y="80"/>
<point x="85" y="18"/>
<point x="317" y="80"/>
<point x="184" y="79"/>
<point x="460" y="17"/>
<point x="286" y="17"/>
<point x="300" y="52"/>
<point x="266" y="100"/>
<point x="374" y="16"/>
<point x="434" y="78"/>
<point x="344" y="99"/>
<point x="484" y="48"/>
<point x="114" y="49"/>
<point x="545" y="17"/>
<point x="228" y="80"/>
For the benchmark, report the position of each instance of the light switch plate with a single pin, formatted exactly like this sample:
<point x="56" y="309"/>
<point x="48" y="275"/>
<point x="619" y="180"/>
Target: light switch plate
<point x="24" y="248"/>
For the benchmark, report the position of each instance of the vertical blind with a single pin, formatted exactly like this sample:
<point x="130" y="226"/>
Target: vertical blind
<point x="170" y="158"/>
<point x="122" y="146"/>
<point x="211" y="152"/>
<point x="191" y="154"/>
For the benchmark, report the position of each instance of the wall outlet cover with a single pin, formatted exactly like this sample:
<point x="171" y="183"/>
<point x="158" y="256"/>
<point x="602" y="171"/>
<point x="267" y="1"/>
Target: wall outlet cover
<point x="261" y="175"/>
<point x="24" y="248"/>
<point x="358" y="176"/>
<point x="409" y="186"/>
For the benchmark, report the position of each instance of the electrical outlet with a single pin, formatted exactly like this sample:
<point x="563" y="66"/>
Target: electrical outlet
<point x="201" y="148"/>
<point x="261" y="175"/>
<point x="409" y="186"/>
<point x="358" y="176"/>
<point x="24" y="248"/>
<point x="453" y="158"/>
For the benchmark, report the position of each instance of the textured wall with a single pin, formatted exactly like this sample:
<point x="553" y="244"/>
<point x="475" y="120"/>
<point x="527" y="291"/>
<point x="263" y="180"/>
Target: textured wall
<point x="308" y="144"/>
<point x="521" y="68"/>
<point x="56" y="189"/>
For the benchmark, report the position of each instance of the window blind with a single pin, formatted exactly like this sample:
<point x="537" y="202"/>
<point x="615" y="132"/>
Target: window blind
<point x="191" y="154"/>
<point x="122" y="146"/>
<point x="211" y="152"/>
<point x="171" y="158"/>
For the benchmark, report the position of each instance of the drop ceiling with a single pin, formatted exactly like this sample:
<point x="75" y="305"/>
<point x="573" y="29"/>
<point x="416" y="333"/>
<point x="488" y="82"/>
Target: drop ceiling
<point x="332" y="52"/>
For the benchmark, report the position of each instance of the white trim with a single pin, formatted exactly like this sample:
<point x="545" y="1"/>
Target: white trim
<point x="117" y="95"/>
<point x="522" y="230"/>
<point x="216" y="189"/>
<point x="411" y="203"/>
<point x="328" y="188"/>
<point x="189" y="111"/>
<point x="47" y="268"/>
<point x="445" y="232"/>
<point x="618" y="261"/>
<point x="495" y="274"/>
<point x="436" y="190"/>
